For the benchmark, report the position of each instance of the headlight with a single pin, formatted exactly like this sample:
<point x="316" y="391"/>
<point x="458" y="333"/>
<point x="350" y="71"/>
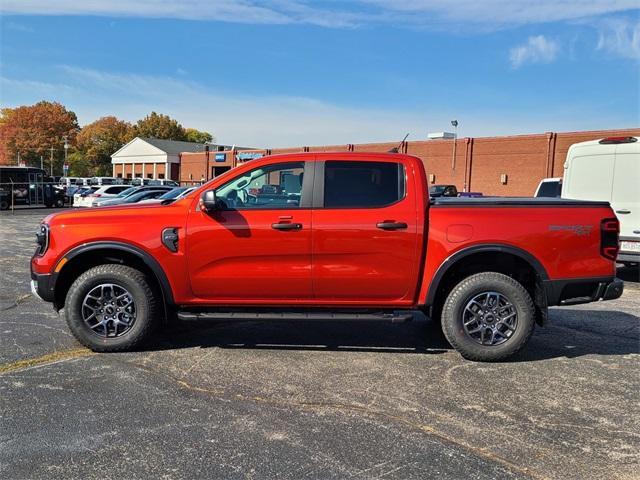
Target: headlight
<point x="42" y="239"/>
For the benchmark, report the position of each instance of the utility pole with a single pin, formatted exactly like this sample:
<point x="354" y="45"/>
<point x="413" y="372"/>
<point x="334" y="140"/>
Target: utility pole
<point x="51" y="161"/>
<point x="454" y="123"/>
<point x="41" y="163"/>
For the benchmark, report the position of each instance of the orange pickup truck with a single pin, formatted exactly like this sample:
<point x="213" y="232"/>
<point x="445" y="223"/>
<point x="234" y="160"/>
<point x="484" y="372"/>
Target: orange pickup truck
<point x="327" y="235"/>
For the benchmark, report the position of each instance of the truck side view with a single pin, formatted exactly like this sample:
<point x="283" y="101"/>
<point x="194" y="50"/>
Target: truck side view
<point x="327" y="235"/>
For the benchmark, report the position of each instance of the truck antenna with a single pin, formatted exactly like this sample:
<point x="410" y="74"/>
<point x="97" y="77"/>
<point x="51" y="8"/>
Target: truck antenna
<point x="397" y="149"/>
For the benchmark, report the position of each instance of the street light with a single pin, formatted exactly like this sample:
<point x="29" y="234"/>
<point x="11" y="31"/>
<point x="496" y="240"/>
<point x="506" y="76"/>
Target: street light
<point x="454" y="124"/>
<point x="66" y="148"/>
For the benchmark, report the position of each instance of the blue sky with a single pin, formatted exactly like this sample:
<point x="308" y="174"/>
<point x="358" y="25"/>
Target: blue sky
<point x="295" y="72"/>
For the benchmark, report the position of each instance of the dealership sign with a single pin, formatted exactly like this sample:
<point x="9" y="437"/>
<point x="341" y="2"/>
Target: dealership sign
<point x="245" y="156"/>
<point x="221" y="157"/>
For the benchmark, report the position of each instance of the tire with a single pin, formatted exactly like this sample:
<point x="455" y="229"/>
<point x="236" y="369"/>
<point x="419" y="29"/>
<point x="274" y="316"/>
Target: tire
<point x="4" y="205"/>
<point x="498" y="306"/>
<point x="59" y="203"/>
<point x="103" y="318"/>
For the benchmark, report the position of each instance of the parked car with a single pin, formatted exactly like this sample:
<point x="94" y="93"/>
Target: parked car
<point x="485" y="268"/>
<point x="104" y="201"/>
<point x="131" y="191"/>
<point x="100" y="181"/>
<point x="609" y="170"/>
<point x="81" y="194"/>
<point x="153" y="182"/>
<point x="549" y="187"/>
<point x="105" y="192"/>
<point x="58" y="197"/>
<point x="443" y="191"/>
<point x="173" y="194"/>
<point x="74" y="181"/>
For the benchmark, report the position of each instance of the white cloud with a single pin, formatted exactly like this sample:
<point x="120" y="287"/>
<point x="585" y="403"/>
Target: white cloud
<point x="275" y="121"/>
<point x="620" y="36"/>
<point x="538" y="49"/>
<point x="487" y="14"/>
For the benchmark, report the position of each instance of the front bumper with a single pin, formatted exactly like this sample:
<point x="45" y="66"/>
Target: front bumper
<point x="42" y="286"/>
<point x="582" y="290"/>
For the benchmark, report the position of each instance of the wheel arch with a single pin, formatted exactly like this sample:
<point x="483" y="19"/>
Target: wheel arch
<point x="86" y="256"/>
<point x="507" y="259"/>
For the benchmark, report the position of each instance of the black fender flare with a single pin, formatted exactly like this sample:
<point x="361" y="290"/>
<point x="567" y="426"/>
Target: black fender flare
<point x="145" y="257"/>
<point x="485" y="248"/>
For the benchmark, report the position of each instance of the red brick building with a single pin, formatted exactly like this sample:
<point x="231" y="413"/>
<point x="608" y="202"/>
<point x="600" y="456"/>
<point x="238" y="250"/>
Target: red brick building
<point x="506" y="166"/>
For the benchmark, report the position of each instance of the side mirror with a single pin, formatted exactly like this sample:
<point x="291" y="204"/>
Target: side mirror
<point x="208" y="201"/>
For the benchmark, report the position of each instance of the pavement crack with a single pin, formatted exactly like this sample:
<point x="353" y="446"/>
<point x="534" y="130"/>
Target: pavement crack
<point x="20" y="299"/>
<point x="347" y="407"/>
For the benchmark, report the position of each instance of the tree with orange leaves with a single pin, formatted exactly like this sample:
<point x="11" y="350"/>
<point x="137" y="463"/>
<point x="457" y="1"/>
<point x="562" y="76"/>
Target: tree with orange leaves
<point x="28" y="132"/>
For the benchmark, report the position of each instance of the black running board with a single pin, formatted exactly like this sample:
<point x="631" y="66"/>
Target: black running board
<point x="397" y="316"/>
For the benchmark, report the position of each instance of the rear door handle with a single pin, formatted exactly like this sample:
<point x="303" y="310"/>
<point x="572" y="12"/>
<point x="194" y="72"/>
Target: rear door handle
<point x="623" y="212"/>
<point x="286" y="226"/>
<point x="391" y="225"/>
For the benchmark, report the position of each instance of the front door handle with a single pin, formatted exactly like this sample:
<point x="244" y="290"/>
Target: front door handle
<point x="623" y="212"/>
<point x="391" y="225"/>
<point x="286" y="226"/>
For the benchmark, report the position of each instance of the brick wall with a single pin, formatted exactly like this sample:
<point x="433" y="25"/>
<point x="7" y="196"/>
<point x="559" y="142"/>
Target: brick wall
<point x="479" y="162"/>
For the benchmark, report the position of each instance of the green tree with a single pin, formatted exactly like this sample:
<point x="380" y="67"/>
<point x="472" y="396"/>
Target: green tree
<point x="161" y="126"/>
<point x="197" y="136"/>
<point x="97" y="141"/>
<point x="80" y="166"/>
<point x="31" y="130"/>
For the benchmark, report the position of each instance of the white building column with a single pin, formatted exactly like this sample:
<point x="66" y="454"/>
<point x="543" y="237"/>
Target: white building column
<point x="144" y="173"/>
<point x="155" y="177"/>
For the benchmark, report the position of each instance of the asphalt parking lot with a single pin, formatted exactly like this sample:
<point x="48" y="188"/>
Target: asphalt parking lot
<point x="313" y="399"/>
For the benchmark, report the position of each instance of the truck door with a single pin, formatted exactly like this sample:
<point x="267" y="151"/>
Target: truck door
<point x="365" y="232"/>
<point x="256" y="247"/>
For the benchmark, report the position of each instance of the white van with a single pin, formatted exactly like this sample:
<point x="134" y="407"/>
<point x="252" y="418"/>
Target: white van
<point x="609" y="169"/>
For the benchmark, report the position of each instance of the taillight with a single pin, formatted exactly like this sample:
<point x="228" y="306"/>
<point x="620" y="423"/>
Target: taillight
<point x="609" y="230"/>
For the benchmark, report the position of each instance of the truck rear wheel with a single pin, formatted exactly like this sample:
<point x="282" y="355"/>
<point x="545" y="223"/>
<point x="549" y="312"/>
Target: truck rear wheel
<point x="488" y="317"/>
<point x="111" y="308"/>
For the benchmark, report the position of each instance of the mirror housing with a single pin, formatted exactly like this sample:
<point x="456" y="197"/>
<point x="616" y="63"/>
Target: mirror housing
<point x="208" y="201"/>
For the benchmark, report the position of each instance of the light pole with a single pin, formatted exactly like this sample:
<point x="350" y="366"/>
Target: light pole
<point x="51" y="161"/>
<point x="66" y="148"/>
<point x="454" y="124"/>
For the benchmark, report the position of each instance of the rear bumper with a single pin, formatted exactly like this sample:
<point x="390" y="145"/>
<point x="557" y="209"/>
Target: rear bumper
<point x="628" y="257"/>
<point x="582" y="290"/>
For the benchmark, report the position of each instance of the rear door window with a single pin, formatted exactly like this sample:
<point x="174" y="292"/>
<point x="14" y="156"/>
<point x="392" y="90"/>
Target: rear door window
<point x="353" y="184"/>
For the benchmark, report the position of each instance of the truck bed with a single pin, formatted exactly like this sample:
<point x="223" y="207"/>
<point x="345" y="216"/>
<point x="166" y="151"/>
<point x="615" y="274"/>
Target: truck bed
<point x="514" y="202"/>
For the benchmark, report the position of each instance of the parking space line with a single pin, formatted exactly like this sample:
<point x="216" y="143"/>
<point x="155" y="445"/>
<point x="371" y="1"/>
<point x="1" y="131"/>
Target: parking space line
<point x="45" y="359"/>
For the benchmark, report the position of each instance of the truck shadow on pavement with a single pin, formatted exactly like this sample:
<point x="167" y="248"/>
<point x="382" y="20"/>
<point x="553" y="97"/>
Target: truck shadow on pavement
<point x="571" y="333"/>
<point x="418" y="336"/>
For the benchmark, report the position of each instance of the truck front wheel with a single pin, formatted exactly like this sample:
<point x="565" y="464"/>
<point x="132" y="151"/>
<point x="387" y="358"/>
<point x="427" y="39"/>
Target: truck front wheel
<point x="488" y="317"/>
<point x="111" y="308"/>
